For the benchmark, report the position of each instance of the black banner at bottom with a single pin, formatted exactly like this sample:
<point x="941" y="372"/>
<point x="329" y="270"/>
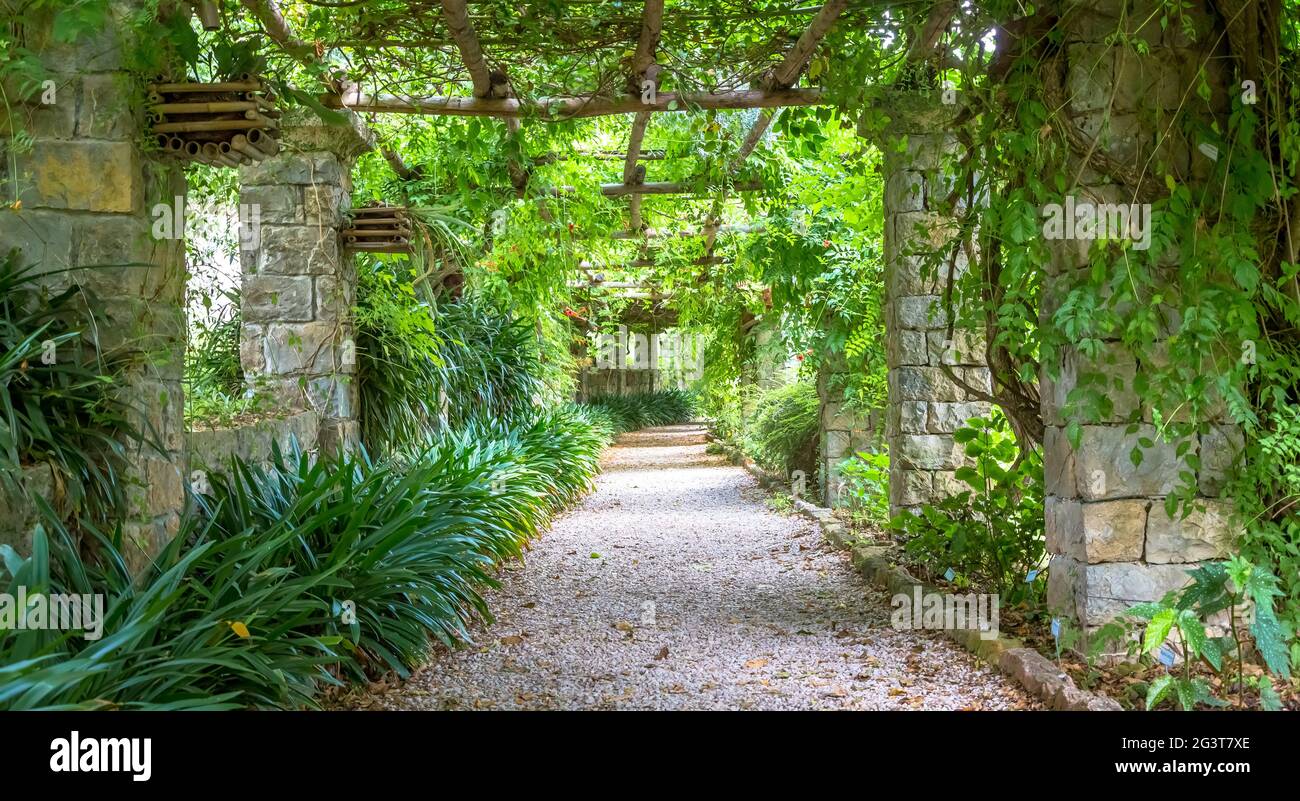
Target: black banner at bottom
<point x="331" y="751"/>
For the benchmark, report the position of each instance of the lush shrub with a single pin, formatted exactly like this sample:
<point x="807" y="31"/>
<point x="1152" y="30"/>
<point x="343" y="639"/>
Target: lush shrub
<point x="422" y="368"/>
<point x="990" y="536"/>
<point x="663" y="407"/>
<point x="303" y="573"/>
<point x="57" y="403"/>
<point x="216" y="393"/>
<point x="864" y="486"/>
<point x="782" y="434"/>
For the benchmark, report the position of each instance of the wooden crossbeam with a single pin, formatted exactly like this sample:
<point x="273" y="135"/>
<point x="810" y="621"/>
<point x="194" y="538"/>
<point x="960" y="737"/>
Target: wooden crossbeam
<point x="780" y="79"/>
<point x="631" y="173"/>
<point x="456" y="16"/>
<point x="272" y="21"/>
<point x="669" y="188"/>
<point x="787" y="72"/>
<point x="644" y="69"/>
<point x="569" y="108"/>
<point x="687" y="233"/>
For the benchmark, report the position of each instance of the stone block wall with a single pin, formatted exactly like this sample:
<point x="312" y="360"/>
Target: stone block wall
<point x="925" y="405"/>
<point x="1111" y="541"/>
<point x="298" y="285"/>
<point x="594" y="382"/>
<point x="212" y="449"/>
<point x="86" y="195"/>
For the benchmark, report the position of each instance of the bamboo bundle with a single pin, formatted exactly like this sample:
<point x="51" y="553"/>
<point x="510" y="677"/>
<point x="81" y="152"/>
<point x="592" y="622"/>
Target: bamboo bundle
<point x="379" y="229"/>
<point x="226" y="124"/>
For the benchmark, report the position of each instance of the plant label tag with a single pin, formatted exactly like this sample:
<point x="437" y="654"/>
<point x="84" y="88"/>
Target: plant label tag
<point x="1166" y="656"/>
<point x="1056" y="628"/>
<point x="950" y="575"/>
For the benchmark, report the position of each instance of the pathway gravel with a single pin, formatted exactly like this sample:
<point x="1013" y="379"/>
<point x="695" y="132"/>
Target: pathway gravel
<point x="675" y="586"/>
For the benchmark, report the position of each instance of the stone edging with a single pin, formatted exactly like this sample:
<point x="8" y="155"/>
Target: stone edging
<point x="1030" y="669"/>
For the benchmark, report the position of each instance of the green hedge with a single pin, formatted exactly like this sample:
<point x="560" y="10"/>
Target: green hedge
<point x="646" y="409"/>
<point x="782" y="434"/>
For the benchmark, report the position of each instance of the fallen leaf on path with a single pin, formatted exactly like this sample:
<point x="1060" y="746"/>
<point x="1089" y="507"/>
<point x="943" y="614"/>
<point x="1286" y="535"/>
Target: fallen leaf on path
<point x="663" y="653"/>
<point x="755" y="664"/>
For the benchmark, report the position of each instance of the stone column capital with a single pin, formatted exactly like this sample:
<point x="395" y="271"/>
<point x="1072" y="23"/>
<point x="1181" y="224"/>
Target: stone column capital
<point x="304" y="131"/>
<point x="905" y="112"/>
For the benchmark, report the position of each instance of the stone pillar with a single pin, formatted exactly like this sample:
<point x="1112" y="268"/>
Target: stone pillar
<point x="86" y="194"/>
<point x="1111" y="542"/>
<point x="298" y="285"/>
<point x="925" y="406"/>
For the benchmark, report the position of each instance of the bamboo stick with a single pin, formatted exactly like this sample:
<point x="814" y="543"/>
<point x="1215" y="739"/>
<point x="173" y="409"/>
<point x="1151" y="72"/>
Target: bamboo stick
<point x="373" y="221"/>
<point x="379" y="248"/>
<point x="248" y="85"/>
<point x="207" y="125"/>
<point x="214" y="107"/>
<point x="239" y="143"/>
<point x="229" y="151"/>
<point x="386" y="233"/>
<point x="263" y="142"/>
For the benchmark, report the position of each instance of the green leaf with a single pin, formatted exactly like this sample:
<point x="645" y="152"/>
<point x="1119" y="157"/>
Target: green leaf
<point x="1158" y="690"/>
<point x="1269" y="700"/>
<point x="1158" y="630"/>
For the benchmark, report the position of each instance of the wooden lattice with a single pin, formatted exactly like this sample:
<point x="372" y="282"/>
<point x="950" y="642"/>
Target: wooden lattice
<point x="379" y="229"/>
<point x="224" y="124"/>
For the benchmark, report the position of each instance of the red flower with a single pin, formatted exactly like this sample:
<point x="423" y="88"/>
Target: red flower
<point x="799" y="356"/>
<point x="826" y="243"/>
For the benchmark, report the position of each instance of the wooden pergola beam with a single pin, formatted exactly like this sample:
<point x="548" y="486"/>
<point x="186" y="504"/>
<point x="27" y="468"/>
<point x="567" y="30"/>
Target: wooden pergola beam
<point x="780" y="79"/>
<point x="631" y="173"/>
<point x="669" y="188"/>
<point x="644" y="68"/>
<point x="456" y="16"/>
<point x="788" y="71"/>
<point x="652" y="16"/>
<point x="569" y="108"/>
<point x="272" y="21"/>
<point x="688" y="233"/>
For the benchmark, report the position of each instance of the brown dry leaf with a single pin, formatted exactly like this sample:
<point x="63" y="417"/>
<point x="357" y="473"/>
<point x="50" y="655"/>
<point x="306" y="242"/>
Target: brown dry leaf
<point x="663" y="653"/>
<point x="755" y="664"/>
<point x="625" y="627"/>
<point x="895" y="691"/>
<point x="513" y="639"/>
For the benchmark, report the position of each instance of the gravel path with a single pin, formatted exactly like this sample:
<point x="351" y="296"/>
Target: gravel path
<point x="674" y="586"/>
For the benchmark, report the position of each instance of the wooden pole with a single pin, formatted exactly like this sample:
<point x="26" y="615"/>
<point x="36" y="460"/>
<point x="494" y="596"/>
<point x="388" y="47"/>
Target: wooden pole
<point x="568" y="108"/>
<point x="669" y="188"/>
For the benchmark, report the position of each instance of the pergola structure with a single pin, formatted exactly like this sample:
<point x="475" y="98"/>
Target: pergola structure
<point x="1111" y="537"/>
<point x="493" y="96"/>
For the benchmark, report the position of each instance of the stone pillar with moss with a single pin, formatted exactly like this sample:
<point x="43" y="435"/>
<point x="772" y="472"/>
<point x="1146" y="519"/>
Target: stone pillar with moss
<point x="87" y="202"/>
<point x="1109" y="471"/>
<point x="298" y="285"/>
<point x="926" y="405"/>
